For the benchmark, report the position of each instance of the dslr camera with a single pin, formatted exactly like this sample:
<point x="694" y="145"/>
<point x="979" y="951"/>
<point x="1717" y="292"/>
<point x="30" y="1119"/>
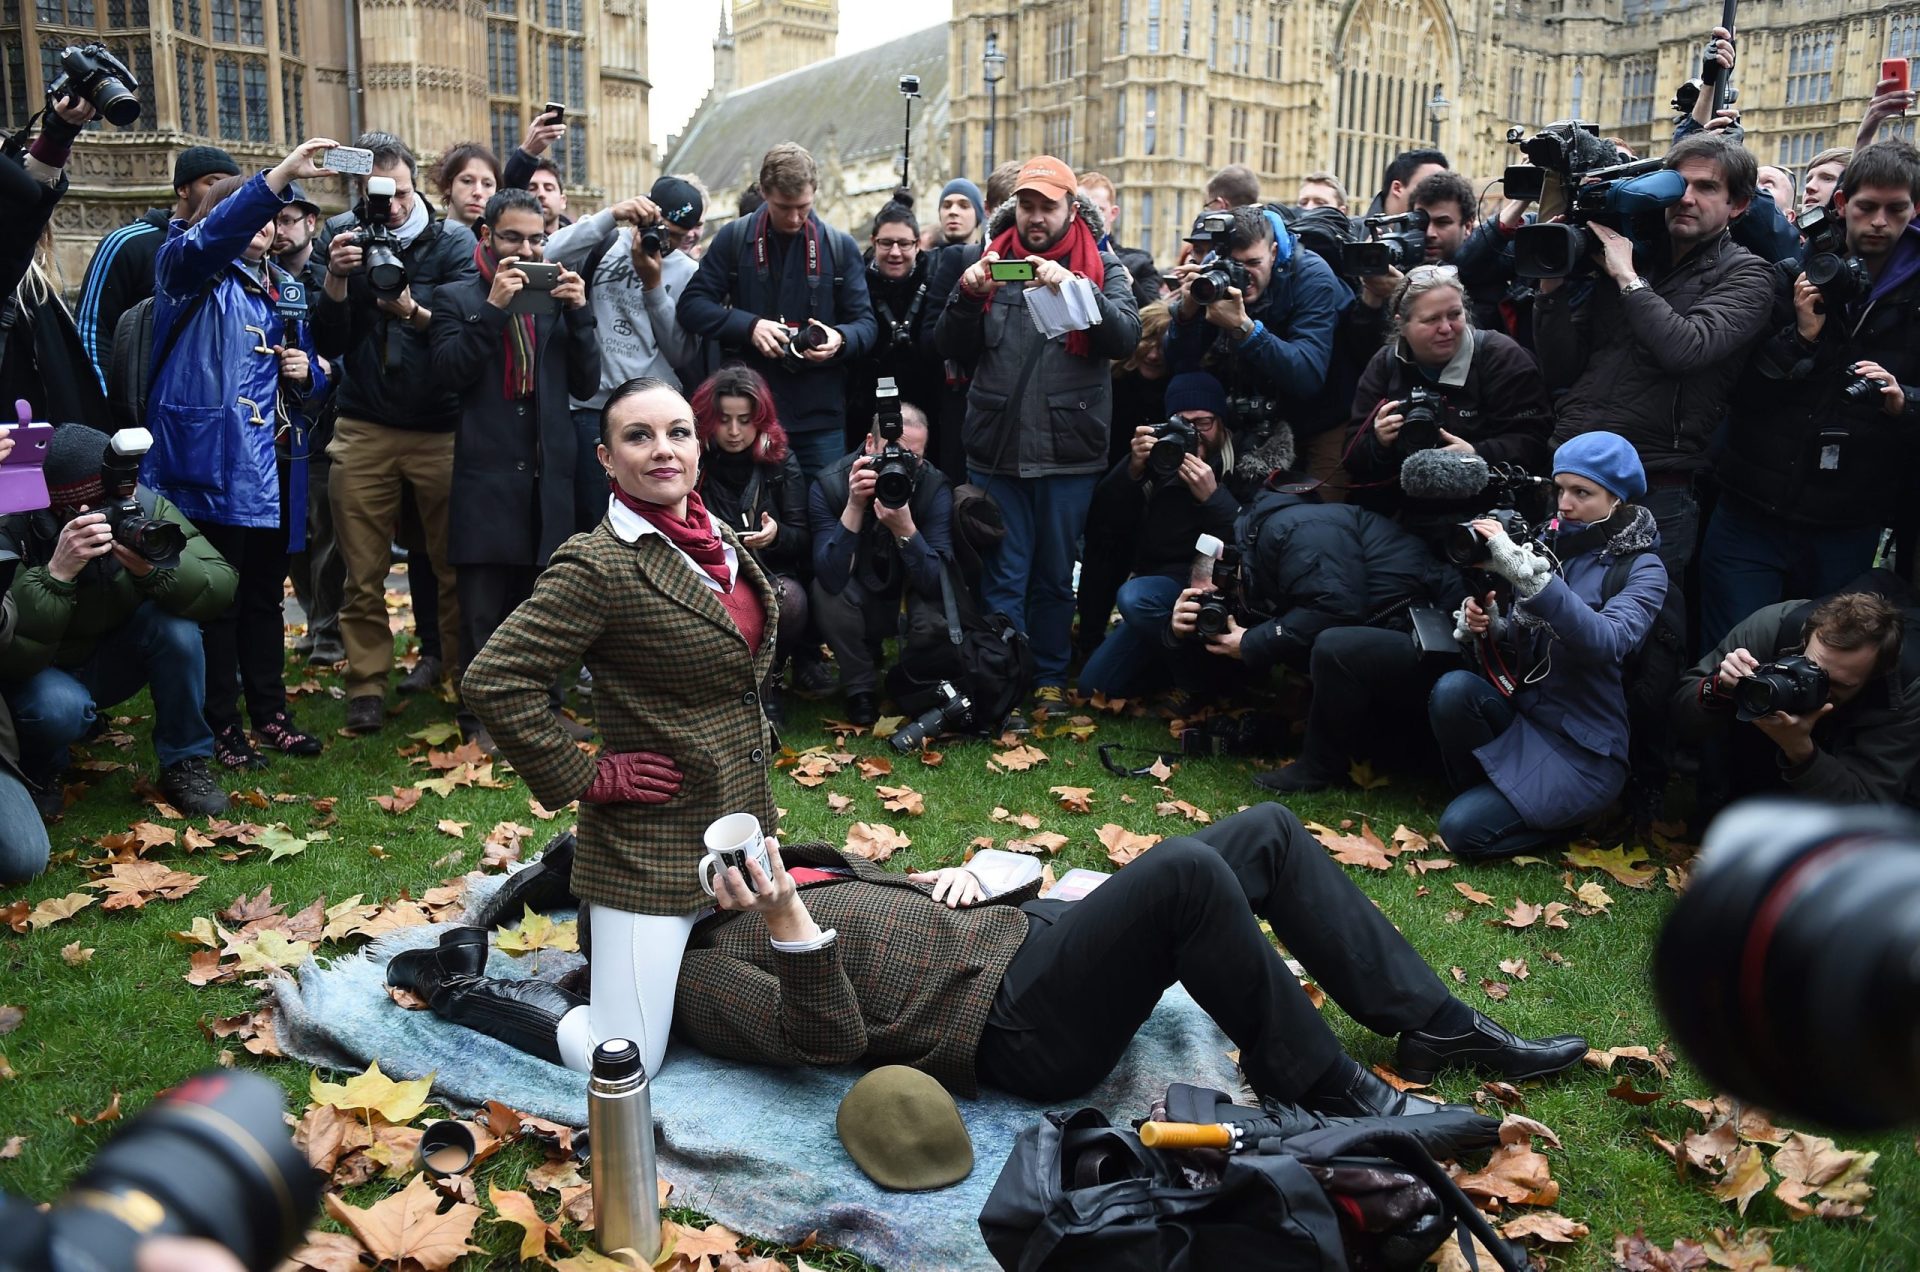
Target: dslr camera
<point x="1588" y="180"/>
<point x="91" y="72"/>
<point x="1253" y="412"/>
<point x="160" y="542"/>
<point x="386" y="271"/>
<point x="1420" y="414"/>
<point x="1466" y="546"/>
<point x="802" y="340"/>
<point x="896" y="469"/>
<point x="1219" y="603"/>
<point x="1220" y="271"/>
<point x="1862" y="389"/>
<point x="952" y="712"/>
<point x="1841" y="277"/>
<point x="1392" y="242"/>
<point x="209" y="1159"/>
<point x="1173" y="440"/>
<point x="1794" y="684"/>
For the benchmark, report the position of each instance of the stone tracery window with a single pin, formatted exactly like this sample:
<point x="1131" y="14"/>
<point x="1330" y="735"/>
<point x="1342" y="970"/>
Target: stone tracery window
<point x="1394" y="55"/>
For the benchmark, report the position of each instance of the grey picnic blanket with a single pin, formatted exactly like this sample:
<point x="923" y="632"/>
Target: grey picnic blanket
<point x="752" y="1146"/>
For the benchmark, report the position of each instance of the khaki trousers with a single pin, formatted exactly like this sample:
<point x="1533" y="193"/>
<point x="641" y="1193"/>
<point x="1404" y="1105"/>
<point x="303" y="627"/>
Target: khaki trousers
<point x="370" y="462"/>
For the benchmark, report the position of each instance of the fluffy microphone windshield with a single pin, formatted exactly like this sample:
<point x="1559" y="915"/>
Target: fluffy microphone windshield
<point x="1442" y="474"/>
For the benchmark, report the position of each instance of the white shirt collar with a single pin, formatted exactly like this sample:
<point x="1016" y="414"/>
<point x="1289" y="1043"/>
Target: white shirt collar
<point x="630" y="525"/>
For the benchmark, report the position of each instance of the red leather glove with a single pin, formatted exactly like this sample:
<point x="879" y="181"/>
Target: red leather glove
<point x="633" y="777"/>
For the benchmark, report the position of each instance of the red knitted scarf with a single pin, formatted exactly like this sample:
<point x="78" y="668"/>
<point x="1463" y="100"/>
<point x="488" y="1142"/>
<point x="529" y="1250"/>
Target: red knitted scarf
<point x="517" y="340"/>
<point x="694" y="535"/>
<point x="1077" y="250"/>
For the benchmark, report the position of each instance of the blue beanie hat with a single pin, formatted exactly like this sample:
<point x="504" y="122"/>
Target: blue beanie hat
<point x="1606" y="458"/>
<point x="960" y="185"/>
<point x="1196" y="391"/>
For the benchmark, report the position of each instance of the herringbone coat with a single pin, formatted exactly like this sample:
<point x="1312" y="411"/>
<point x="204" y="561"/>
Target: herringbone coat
<point x="671" y="674"/>
<point x="906" y="980"/>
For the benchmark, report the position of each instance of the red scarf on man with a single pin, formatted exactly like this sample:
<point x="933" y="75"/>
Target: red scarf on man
<point x="517" y="340"/>
<point x="694" y="535"/>
<point x="1077" y="250"/>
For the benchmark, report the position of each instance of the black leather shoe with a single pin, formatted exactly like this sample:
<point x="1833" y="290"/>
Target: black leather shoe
<point x="1365" y="1095"/>
<point x="862" y="708"/>
<point x="1486" y="1046"/>
<point x="462" y="951"/>
<point x="546" y="884"/>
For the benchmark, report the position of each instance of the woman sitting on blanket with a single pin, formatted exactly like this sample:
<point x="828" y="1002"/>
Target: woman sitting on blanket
<point x="676" y="622"/>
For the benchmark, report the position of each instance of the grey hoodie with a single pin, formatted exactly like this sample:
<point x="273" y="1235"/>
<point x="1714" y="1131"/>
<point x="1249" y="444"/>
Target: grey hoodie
<point x="639" y="334"/>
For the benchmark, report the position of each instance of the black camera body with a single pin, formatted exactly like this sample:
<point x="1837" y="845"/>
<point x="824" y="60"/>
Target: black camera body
<point x="92" y="72"/>
<point x="652" y="242"/>
<point x="1863" y="390"/>
<point x="1841" y="279"/>
<point x="1216" y="612"/>
<point x="1794" y="684"/>
<point x="896" y="469"/>
<point x="160" y="542"/>
<point x="1588" y="180"/>
<point x="1392" y="242"/>
<point x="1466" y="546"/>
<point x="952" y="712"/>
<point x="1173" y="440"/>
<point x="1421" y="414"/>
<point x="801" y="340"/>
<point x="1215" y="277"/>
<point x="1252" y="412"/>
<point x="386" y="268"/>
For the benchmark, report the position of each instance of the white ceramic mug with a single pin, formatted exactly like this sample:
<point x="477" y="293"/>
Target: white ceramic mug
<point x="734" y="840"/>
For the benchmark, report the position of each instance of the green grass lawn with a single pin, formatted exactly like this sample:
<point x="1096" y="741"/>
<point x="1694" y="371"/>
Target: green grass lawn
<point x="126" y="1023"/>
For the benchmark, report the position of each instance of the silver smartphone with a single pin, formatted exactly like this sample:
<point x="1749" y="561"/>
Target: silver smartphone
<point x="350" y="160"/>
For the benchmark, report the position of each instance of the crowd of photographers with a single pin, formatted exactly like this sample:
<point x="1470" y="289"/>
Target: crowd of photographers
<point x="1551" y="500"/>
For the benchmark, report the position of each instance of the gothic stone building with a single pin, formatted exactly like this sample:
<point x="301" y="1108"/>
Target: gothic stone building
<point x="1160" y="93"/>
<point x="258" y="76"/>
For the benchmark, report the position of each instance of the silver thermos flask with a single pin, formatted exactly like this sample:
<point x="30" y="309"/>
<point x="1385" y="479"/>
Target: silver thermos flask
<point x="626" y="1191"/>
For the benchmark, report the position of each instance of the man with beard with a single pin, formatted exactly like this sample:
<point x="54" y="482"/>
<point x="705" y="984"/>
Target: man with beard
<point x="1039" y="407"/>
<point x="904" y="309"/>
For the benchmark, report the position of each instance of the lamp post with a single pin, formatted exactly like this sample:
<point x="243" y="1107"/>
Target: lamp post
<point x="993" y="69"/>
<point x="1437" y="110"/>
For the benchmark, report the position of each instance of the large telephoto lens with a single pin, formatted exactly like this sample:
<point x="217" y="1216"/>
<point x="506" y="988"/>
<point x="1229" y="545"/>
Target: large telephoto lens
<point x="1790" y="970"/>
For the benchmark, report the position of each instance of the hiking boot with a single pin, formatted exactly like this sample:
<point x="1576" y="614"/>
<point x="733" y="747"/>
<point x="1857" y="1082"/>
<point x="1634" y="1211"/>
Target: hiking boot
<point x="425" y="676"/>
<point x="279" y="733"/>
<point x="234" y="751"/>
<point x="1047" y="700"/>
<point x="191" y="789"/>
<point x="812" y="678"/>
<point x="366" y="714"/>
<point x="327" y="651"/>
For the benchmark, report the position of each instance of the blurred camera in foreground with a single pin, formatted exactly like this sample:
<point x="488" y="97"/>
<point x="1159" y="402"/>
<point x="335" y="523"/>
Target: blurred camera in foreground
<point x="210" y="1159"/>
<point x="1790" y="970"/>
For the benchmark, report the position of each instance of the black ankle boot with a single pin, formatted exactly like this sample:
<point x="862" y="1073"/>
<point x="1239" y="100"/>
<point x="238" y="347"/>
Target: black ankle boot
<point x="521" y="1013"/>
<point x="545" y="885"/>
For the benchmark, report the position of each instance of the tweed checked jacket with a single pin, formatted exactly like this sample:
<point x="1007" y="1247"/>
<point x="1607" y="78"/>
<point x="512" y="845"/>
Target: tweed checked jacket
<point x="906" y="981"/>
<point x="671" y="674"/>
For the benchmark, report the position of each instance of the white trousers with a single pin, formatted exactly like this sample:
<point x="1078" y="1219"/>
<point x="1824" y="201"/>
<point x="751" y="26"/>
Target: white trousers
<point x="635" y="968"/>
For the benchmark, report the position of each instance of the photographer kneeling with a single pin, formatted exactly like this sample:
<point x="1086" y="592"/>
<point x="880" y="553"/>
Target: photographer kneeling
<point x="1834" y="712"/>
<point x="1146" y="514"/>
<point x="97" y="619"/>
<point x="1534" y="736"/>
<point x="1440" y="384"/>
<point x="882" y="522"/>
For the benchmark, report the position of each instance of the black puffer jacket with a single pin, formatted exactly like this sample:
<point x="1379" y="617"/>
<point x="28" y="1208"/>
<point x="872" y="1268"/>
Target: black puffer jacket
<point x="388" y="366"/>
<point x="1315" y="566"/>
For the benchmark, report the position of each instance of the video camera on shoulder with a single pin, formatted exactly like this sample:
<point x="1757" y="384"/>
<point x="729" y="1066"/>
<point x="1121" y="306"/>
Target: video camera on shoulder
<point x="1220" y="271"/>
<point x="1841" y="277"/>
<point x="386" y="270"/>
<point x="1393" y="242"/>
<point x="896" y="469"/>
<point x="1589" y="181"/>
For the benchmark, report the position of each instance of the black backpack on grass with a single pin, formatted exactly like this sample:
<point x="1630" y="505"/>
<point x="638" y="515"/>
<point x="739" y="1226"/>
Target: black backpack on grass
<point x="984" y="656"/>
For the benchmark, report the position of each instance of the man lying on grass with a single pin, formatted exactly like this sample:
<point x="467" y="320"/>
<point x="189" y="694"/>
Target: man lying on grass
<point x="828" y="959"/>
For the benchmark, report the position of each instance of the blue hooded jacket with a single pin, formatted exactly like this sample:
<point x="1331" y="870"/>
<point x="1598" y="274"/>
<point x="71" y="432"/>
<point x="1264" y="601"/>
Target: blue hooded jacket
<point x="214" y="404"/>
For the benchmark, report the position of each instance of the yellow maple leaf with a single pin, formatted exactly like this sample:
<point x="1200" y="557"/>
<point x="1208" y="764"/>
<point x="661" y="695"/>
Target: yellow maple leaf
<point x="1624" y="864"/>
<point x="538" y="932"/>
<point x="270" y="952"/>
<point x="374" y="1092"/>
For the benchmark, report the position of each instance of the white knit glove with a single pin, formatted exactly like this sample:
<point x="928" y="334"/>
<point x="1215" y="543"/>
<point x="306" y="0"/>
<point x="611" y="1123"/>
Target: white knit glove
<point x="1496" y="625"/>
<point x="1519" y="565"/>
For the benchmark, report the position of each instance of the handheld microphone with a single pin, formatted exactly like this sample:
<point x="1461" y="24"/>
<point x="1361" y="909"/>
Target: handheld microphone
<point x="291" y="305"/>
<point x="1443" y="474"/>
